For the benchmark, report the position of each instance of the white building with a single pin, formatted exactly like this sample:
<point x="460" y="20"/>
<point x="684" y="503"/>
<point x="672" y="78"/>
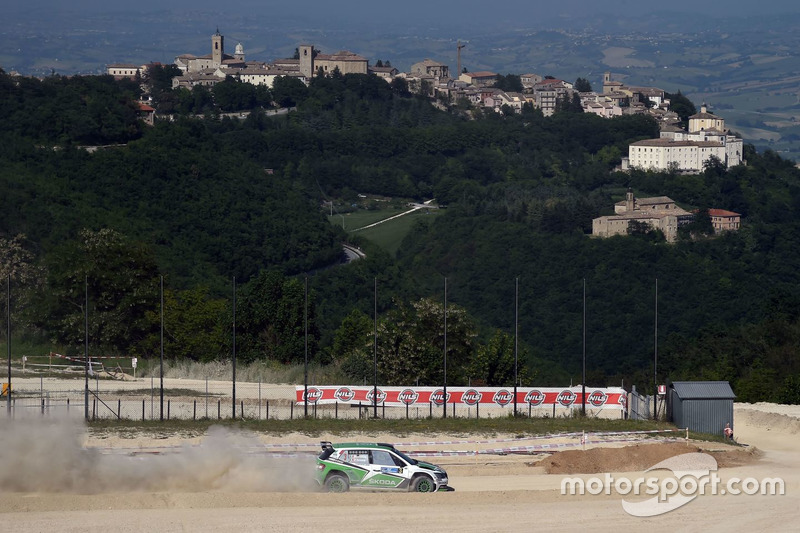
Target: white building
<point x="688" y="151"/>
<point x="666" y="154"/>
<point x="125" y="70"/>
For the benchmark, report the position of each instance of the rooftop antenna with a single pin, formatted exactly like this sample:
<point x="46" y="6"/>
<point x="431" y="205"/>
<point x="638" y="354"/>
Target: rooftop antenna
<point x="459" y="46"/>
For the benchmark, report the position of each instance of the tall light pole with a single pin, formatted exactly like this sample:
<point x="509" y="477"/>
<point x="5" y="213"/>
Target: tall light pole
<point x="444" y="388"/>
<point x="375" y="350"/>
<point x="583" y="380"/>
<point x="516" y="341"/>
<point x="233" y="356"/>
<point x="655" y="358"/>
<point x="86" y="348"/>
<point x="161" y="358"/>
<point x="8" y="337"/>
<point x="305" y="340"/>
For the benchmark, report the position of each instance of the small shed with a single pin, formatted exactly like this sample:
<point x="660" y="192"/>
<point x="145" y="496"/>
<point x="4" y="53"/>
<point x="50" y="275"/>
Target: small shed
<point x="702" y="406"/>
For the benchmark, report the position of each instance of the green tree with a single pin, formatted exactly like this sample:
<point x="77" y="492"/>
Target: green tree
<point x="582" y="85"/>
<point x="18" y="266"/>
<point x="411" y="344"/>
<point x="353" y="346"/>
<point x="271" y="320"/>
<point x="790" y="391"/>
<point x="288" y="91"/>
<point x="509" y="83"/>
<point x="196" y="327"/>
<point x="493" y="362"/>
<point x="400" y="87"/>
<point x="122" y="288"/>
<point x="699" y="226"/>
<point x="682" y="106"/>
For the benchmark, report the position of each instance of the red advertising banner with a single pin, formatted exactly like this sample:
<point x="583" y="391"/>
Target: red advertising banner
<point x="596" y="398"/>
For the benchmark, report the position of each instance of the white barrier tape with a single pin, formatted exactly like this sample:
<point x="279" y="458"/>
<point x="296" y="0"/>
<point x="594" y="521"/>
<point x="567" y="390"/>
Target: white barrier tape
<point x="440" y="442"/>
<point x="635" y="432"/>
<point x="81" y="358"/>
<point x="493" y="441"/>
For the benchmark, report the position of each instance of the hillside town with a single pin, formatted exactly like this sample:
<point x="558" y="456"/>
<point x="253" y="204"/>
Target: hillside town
<point x="678" y="149"/>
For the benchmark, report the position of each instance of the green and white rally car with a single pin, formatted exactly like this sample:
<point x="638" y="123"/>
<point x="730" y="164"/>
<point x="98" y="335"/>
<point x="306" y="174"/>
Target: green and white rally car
<point x="341" y="467"/>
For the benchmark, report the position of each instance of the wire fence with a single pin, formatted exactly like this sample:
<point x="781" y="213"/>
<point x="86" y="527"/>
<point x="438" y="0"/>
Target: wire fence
<point x="192" y="399"/>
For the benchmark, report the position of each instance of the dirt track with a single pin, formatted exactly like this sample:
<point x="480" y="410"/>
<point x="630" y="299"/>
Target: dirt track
<point x="494" y="493"/>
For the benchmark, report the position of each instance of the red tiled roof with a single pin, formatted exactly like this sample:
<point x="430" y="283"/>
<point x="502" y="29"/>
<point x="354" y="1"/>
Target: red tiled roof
<point x="722" y="213"/>
<point x="145" y="107"/>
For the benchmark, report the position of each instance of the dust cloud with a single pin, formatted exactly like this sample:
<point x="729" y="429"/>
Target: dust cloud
<point x="47" y="455"/>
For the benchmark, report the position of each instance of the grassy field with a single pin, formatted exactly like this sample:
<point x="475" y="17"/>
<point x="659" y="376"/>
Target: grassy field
<point x="388" y="235"/>
<point x="363" y="217"/>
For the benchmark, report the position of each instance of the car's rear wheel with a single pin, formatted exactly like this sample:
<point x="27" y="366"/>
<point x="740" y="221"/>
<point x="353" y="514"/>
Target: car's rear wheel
<point x="337" y="483"/>
<point x="423" y="484"/>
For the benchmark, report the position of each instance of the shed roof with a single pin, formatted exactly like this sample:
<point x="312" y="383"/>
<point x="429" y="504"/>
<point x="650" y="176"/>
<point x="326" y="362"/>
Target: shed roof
<point x="696" y="390"/>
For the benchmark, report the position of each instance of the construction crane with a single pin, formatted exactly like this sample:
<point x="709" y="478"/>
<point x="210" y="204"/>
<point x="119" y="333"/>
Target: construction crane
<point x="458" y="63"/>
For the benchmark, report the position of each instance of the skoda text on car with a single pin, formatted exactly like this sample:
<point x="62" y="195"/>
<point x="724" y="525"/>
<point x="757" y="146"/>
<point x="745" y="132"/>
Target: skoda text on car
<point x="380" y="466"/>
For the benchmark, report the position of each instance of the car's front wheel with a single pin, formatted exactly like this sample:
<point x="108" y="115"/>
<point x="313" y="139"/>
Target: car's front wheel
<point x="423" y="484"/>
<point x="337" y="483"/>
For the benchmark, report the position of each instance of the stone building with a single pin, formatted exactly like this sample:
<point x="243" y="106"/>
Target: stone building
<point x="723" y="220"/>
<point x="217" y="58"/>
<point x="659" y="213"/>
<point x="312" y="62"/>
<point x="429" y="67"/>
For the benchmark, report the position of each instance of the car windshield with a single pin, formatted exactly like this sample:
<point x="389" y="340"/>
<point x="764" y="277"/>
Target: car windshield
<point x="406" y="458"/>
<point x="326" y="452"/>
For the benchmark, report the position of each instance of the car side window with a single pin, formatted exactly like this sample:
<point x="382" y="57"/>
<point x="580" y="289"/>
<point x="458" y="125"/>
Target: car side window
<point x="382" y="458"/>
<point x="398" y="461"/>
<point x="359" y="457"/>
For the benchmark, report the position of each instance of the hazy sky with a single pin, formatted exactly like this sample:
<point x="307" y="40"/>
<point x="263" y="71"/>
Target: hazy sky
<point x="427" y="13"/>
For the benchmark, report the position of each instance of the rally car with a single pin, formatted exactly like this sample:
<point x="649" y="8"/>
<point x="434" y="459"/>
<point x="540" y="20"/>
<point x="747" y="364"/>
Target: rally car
<point x="341" y="467"/>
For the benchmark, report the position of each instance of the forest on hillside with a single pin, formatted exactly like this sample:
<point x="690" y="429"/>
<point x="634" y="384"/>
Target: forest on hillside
<point x="210" y="202"/>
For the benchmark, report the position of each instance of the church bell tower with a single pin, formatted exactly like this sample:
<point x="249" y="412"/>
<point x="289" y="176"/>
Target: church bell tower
<point x="217" y="49"/>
